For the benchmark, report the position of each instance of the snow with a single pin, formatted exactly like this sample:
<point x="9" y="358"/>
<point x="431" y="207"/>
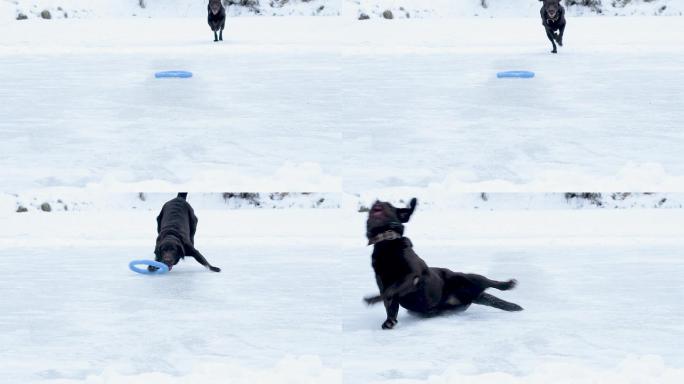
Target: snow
<point x="264" y="111"/>
<point x="600" y="288"/>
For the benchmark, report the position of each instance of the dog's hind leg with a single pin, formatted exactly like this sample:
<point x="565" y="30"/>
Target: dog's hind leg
<point x="485" y="283"/>
<point x="493" y="301"/>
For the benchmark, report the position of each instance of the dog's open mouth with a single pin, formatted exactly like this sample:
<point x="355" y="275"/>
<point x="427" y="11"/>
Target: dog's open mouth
<point x="377" y="211"/>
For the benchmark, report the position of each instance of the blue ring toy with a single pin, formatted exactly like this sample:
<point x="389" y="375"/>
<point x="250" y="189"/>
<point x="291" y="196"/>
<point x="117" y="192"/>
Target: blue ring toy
<point x="173" y="74"/>
<point x="515" y="74"/>
<point x="163" y="268"/>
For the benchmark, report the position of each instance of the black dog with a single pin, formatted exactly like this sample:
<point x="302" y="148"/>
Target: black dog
<point x="553" y="20"/>
<point x="216" y="18"/>
<point x="176" y="226"/>
<point x="405" y="279"/>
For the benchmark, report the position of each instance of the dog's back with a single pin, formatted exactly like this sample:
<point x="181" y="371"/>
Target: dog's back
<point x="177" y="217"/>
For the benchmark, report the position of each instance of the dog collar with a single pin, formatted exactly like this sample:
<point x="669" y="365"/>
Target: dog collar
<point x="387" y="235"/>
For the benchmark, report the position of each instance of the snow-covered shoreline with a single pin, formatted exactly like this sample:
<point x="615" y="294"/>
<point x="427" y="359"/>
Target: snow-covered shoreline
<point x="89" y="200"/>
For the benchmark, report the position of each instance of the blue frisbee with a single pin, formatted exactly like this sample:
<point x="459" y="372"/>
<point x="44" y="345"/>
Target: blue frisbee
<point x="173" y="74"/>
<point x="133" y="265"/>
<point x="515" y="74"/>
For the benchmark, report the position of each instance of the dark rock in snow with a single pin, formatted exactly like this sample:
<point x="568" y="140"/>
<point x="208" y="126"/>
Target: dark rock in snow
<point x="388" y="15"/>
<point x="45" y="207"/>
<point x="363" y="16"/>
<point x="46" y="14"/>
<point x="21" y="16"/>
<point x="21" y="208"/>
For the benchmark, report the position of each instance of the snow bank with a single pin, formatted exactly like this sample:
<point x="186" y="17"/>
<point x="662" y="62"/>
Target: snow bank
<point x="402" y="9"/>
<point x="88" y="199"/>
<point x="60" y="9"/>
<point x="11" y="9"/>
<point x="638" y="370"/>
<point x="68" y="199"/>
<point x="290" y="370"/>
<point x="527" y="201"/>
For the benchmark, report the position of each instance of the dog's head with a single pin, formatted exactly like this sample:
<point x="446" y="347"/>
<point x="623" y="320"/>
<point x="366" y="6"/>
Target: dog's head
<point x="552" y="7"/>
<point x="215" y="6"/>
<point x="170" y="251"/>
<point x="383" y="217"/>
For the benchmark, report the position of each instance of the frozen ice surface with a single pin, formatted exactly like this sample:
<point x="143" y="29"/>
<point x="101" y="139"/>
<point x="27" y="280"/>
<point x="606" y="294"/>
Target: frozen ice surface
<point x="601" y="291"/>
<point x="329" y="101"/>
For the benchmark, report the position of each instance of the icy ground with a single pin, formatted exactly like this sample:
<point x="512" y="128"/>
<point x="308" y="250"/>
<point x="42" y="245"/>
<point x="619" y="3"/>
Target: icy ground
<point x="81" y="105"/>
<point x="602" y="291"/>
<point x="323" y="104"/>
<point x="425" y="106"/>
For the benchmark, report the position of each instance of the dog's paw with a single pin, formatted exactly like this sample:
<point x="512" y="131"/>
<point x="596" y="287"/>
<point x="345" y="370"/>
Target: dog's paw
<point x="215" y="269"/>
<point x="389" y="324"/>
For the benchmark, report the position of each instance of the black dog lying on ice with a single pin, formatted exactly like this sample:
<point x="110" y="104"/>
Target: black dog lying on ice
<point x="176" y="226"/>
<point x="216" y="18"/>
<point x="553" y="20"/>
<point x="405" y="279"/>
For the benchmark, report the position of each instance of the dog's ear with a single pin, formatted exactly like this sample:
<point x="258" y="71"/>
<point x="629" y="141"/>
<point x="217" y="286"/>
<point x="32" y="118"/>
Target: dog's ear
<point x="404" y="214"/>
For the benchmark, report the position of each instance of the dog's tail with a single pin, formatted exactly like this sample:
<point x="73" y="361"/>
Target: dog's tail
<point x="183" y="195"/>
<point x="493" y="301"/>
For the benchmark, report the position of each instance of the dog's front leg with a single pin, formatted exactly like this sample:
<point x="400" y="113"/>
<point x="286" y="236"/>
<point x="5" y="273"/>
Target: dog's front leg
<point x="215" y="36"/>
<point x="392" y="309"/>
<point x="402" y="288"/>
<point x="549" y="34"/>
<point x="394" y="291"/>
<point x="560" y="34"/>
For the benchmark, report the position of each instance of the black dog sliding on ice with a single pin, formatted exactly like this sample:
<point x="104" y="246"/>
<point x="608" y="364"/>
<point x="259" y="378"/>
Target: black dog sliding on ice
<point x="405" y="279"/>
<point x="553" y="20"/>
<point x="176" y="226"/>
<point x="216" y="18"/>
